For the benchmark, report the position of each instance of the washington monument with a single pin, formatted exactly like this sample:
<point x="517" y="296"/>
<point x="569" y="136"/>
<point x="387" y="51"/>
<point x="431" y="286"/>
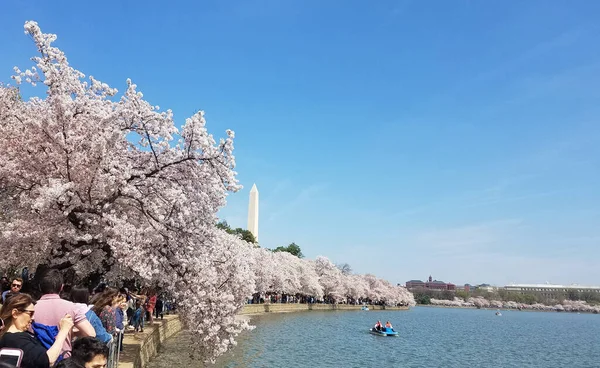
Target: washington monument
<point x="253" y="212"/>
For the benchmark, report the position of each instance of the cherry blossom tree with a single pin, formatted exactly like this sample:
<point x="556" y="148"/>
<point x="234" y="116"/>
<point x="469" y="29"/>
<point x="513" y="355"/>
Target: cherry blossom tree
<point x="264" y="271"/>
<point x="309" y="279"/>
<point x="580" y="306"/>
<point x="456" y="302"/>
<point x="109" y="185"/>
<point x="287" y="278"/>
<point x="496" y="304"/>
<point x="92" y="183"/>
<point x="356" y="286"/>
<point x="479" y="302"/>
<point x="330" y="278"/>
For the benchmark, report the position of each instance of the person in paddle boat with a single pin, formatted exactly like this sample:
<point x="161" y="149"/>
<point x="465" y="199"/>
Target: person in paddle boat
<point x="389" y="325"/>
<point x="377" y="326"/>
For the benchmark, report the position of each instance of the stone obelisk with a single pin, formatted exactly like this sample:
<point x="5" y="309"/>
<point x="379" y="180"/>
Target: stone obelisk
<point x="253" y="212"/>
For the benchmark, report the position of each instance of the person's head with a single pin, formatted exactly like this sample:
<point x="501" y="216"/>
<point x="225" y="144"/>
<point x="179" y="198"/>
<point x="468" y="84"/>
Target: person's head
<point x="90" y="352"/>
<point x="107" y="298"/>
<point x="80" y="295"/>
<point x="17" y="311"/>
<point x="69" y="363"/>
<point x="16" y="285"/>
<point x="51" y="282"/>
<point x="118" y="300"/>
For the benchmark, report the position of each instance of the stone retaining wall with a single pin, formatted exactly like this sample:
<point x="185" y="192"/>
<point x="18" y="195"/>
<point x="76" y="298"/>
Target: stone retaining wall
<point x="140" y="347"/>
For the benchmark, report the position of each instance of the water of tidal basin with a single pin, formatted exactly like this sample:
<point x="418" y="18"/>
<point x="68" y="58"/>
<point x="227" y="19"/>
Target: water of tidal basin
<point x="430" y="337"/>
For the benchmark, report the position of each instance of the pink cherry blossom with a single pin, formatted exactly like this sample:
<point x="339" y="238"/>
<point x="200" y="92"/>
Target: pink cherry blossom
<point x="106" y="183"/>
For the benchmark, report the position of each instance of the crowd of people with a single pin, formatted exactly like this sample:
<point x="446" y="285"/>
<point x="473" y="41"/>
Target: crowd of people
<point x="70" y="329"/>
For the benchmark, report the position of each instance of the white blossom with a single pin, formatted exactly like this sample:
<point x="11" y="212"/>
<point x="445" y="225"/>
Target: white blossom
<point x="110" y="184"/>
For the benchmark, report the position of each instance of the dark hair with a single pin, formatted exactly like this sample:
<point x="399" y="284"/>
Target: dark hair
<point x="86" y="348"/>
<point x="69" y="363"/>
<point x="9" y="295"/>
<point x="80" y="295"/>
<point x="51" y="282"/>
<point x="17" y="279"/>
<point x="106" y="298"/>
<point x="19" y="302"/>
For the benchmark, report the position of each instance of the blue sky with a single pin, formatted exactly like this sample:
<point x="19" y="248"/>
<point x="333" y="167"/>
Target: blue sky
<point x="458" y="139"/>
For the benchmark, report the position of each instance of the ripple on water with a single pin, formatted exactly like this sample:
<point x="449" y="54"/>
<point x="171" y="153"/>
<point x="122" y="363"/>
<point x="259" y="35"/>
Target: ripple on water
<point x="430" y="337"/>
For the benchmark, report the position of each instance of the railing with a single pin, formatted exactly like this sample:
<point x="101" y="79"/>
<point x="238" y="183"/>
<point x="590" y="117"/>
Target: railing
<point x="114" y="351"/>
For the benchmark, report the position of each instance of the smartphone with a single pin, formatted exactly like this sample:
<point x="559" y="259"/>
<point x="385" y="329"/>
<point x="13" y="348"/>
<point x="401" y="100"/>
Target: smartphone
<point x="11" y="356"/>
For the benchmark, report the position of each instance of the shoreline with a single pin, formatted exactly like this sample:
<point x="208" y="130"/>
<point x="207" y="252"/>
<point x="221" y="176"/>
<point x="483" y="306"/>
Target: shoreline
<point x="446" y="306"/>
<point x="504" y="309"/>
<point x="259" y="309"/>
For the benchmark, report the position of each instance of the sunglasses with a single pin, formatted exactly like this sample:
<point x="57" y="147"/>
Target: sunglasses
<point x="30" y="312"/>
<point x="16" y="285"/>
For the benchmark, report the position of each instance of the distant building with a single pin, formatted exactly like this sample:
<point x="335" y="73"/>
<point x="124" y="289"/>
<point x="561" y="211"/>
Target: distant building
<point x="466" y="288"/>
<point x="486" y="287"/>
<point x="415" y="284"/>
<point x="550" y="289"/>
<point x="431" y="284"/>
<point x="440" y="285"/>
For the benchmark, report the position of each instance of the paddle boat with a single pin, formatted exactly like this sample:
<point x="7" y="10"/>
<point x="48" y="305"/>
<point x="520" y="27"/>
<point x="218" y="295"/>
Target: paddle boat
<point x="385" y="331"/>
<point x="364" y="307"/>
<point x="498" y="313"/>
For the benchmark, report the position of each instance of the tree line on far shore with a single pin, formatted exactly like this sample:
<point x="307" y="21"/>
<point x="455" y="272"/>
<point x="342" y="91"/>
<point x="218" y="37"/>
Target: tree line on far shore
<point x="424" y="296"/>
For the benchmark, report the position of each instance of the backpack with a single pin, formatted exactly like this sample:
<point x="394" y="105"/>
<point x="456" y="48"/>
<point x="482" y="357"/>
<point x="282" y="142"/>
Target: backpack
<point x="46" y="335"/>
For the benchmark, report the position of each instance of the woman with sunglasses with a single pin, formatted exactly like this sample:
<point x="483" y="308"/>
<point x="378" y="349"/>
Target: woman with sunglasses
<point x="16" y="318"/>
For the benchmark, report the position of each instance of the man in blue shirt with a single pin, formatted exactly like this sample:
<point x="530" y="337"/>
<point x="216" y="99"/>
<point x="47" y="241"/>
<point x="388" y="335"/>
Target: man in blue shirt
<point x="15" y="288"/>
